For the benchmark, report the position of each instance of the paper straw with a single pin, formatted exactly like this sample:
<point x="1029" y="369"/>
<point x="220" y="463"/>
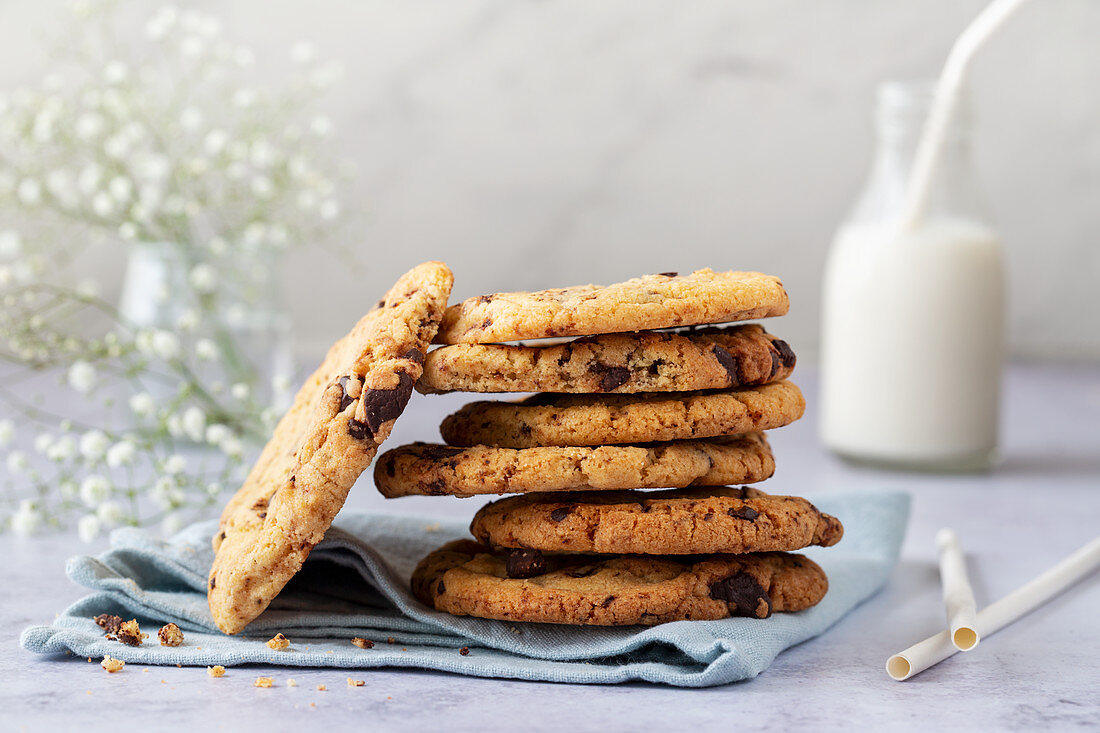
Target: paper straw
<point x="943" y="105"/>
<point x="958" y="596"/>
<point x="996" y="616"/>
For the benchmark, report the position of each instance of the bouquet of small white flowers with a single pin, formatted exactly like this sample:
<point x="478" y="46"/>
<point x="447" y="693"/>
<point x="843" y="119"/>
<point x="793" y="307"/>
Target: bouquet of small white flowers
<point x="151" y="138"/>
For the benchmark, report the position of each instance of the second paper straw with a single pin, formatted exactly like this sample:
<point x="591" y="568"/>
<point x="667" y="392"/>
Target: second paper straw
<point x="958" y="596"/>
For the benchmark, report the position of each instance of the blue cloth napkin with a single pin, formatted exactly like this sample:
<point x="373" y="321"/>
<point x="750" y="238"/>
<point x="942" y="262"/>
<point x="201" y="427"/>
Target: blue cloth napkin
<point x="356" y="583"/>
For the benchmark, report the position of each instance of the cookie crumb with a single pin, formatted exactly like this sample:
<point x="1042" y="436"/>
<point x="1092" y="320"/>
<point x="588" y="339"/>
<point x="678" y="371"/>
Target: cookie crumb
<point x="362" y="643"/>
<point x="279" y="642"/>
<point x="313" y="704"/>
<point x="356" y="683"/>
<point x="464" y="651"/>
<point x="216" y="671"/>
<point x="89" y="659"/>
<point x="330" y="652"/>
<point x="263" y="682"/>
<point x="433" y="527"/>
<point x="111" y="664"/>
<point x="144" y="669"/>
<point x="292" y="682"/>
<point x="129" y="633"/>
<point x="391" y="640"/>
<point x="321" y="688"/>
<point x="170" y="635"/>
<point x="108" y="623"/>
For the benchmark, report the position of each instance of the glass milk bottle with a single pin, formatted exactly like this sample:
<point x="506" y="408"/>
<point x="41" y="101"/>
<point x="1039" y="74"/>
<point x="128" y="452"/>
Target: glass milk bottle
<point x="913" y="317"/>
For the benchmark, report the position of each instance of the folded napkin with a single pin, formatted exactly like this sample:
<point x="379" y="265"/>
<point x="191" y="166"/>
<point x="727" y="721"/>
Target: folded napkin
<point x="356" y="583"/>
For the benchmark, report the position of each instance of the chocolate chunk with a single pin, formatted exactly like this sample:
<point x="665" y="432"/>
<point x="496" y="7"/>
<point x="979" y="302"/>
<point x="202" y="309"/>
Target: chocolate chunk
<point x="775" y="364"/>
<point x="744" y="512"/>
<point x="566" y="354"/>
<point x="380" y="304"/>
<point x="486" y="323"/>
<point x="464" y="651"/>
<point x="607" y="601"/>
<point x="416" y="355"/>
<point x="391" y="466"/>
<point x="785" y="353"/>
<point x="440" y="589"/>
<point x="439" y="452"/>
<point x="383" y="405"/>
<point x="668" y="274"/>
<point x="436" y="488"/>
<point x="222" y="534"/>
<point x="110" y="623"/>
<point x="560" y="513"/>
<point x="733" y="369"/>
<point x="262" y="515"/>
<point x="744" y="595"/>
<point x="345" y="399"/>
<point x="525" y="563"/>
<point x="359" y="430"/>
<point x="212" y="583"/>
<point x="611" y="377"/>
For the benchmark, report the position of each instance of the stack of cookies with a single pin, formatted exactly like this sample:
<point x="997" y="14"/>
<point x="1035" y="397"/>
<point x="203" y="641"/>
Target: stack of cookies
<point x="632" y="394"/>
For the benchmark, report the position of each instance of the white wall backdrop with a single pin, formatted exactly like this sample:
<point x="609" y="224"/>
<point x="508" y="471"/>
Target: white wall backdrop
<point x="538" y="144"/>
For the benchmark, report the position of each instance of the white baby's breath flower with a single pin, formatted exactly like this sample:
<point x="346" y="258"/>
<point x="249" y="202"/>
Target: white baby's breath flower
<point x="110" y="513"/>
<point x="89" y="126"/>
<point x="16" y="462"/>
<point x="115" y="72"/>
<point x="206" y="350"/>
<point x="213" y="489"/>
<point x="261" y="153"/>
<point x="306" y="200"/>
<point x="142" y="404"/>
<point x="171" y="524"/>
<point x="232" y="447"/>
<point x="165" y="492"/>
<point x="329" y="209"/>
<point x="191" y="119"/>
<point x="244" y="98"/>
<point x="121" y="188"/>
<point x="128" y="230"/>
<point x="42" y="442"/>
<point x="68" y="489"/>
<point x="11" y="244"/>
<point x="235" y="314"/>
<point x="303" y="52"/>
<point x="254" y="233"/>
<point x="7" y="432"/>
<point x="87" y="288"/>
<point x="121" y="454"/>
<point x="240" y="391"/>
<point x="29" y="192"/>
<point x="217" y="434"/>
<point x="174" y="424"/>
<point x="62" y="449"/>
<point x="93" y="445"/>
<point x="320" y="126"/>
<point x="87" y="181"/>
<point x="174" y="464"/>
<point x="215" y="141"/>
<point x="152" y="168"/>
<point x="166" y="345"/>
<point x="194" y="423"/>
<point x="203" y="278"/>
<point x="82" y="377"/>
<point x="188" y="321"/>
<point x="87" y="527"/>
<point x="93" y="490"/>
<point x="117" y="146"/>
<point x="26" y="520"/>
<point x="217" y="246"/>
<point x="103" y="205"/>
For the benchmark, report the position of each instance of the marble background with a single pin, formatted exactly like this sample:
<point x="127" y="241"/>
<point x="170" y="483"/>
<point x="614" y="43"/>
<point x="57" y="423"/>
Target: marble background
<point x="537" y="144"/>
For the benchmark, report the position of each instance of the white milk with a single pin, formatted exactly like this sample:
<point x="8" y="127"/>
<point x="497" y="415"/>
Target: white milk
<point x="913" y="340"/>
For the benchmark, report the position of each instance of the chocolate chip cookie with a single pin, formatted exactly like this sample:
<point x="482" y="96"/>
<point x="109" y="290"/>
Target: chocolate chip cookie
<point x="423" y="468"/>
<point x="569" y="419"/>
<point x="649" y="302"/>
<point x="711" y="358"/>
<point x="328" y="437"/>
<point x="468" y="579"/>
<point x="680" y="522"/>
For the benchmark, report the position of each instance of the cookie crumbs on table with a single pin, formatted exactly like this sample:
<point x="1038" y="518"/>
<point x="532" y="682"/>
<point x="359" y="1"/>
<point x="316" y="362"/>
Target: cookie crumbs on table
<point x="321" y="688"/>
<point x="292" y="682"/>
<point x="263" y="682"/>
<point x="111" y="664"/>
<point x="362" y="643"/>
<point x="391" y="640"/>
<point x="216" y="671"/>
<point x="356" y="683"/>
<point x="129" y="633"/>
<point x="464" y="651"/>
<point x="279" y="642"/>
<point x="170" y="635"/>
<point x="108" y="623"/>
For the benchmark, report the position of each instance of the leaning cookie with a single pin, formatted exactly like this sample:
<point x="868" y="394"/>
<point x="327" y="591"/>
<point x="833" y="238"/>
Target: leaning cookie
<point x="682" y="522"/>
<point x="648" y="361"/>
<point x="577" y="420"/>
<point x="328" y="437"/>
<point x="422" y="468"/>
<point x="467" y="579"/>
<point x="649" y="302"/>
